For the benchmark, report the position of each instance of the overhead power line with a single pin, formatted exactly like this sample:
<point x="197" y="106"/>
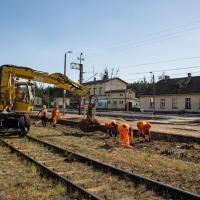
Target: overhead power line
<point x="185" y="73"/>
<point x="157" y="39"/>
<point x="155" y="33"/>
<point x="192" y="72"/>
<point x="161" y="61"/>
<point x="156" y="71"/>
<point x="163" y="70"/>
<point x="151" y="37"/>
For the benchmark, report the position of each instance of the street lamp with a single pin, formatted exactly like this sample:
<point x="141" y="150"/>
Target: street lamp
<point x="153" y="105"/>
<point x="65" y="60"/>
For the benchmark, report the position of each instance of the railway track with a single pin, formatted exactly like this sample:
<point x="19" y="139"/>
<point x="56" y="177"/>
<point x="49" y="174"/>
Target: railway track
<point x="90" y="178"/>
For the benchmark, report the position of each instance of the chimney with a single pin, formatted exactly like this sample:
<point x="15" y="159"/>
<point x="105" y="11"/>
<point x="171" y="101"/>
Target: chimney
<point x="167" y="77"/>
<point x="189" y="74"/>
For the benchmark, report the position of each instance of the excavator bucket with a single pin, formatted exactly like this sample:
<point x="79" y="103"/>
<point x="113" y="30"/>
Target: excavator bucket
<point x="90" y="124"/>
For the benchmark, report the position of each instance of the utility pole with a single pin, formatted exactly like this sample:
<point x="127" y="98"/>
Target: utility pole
<point x="49" y="97"/>
<point x="153" y="92"/>
<point x="125" y="101"/>
<point x="79" y="66"/>
<point x="80" y="79"/>
<point x="64" y="92"/>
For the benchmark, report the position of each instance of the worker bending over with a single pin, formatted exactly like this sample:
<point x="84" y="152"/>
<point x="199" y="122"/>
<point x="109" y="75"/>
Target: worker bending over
<point x="144" y="131"/>
<point x="112" y="130"/>
<point x="123" y="130"/>
<point x="55" y="115"/>
<point x="108" y="126"/>
<point x="44" y="117"/>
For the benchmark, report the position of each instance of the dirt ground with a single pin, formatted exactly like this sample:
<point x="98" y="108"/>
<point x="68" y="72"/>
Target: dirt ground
<point x="175" y="150"/>
<point x="177" y="126"/>
<point x="176" y="164"/>
<point x="21" y="181"/>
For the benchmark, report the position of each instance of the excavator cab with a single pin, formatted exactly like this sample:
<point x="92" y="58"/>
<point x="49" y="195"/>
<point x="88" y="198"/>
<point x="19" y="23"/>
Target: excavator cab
<point x="24" y="96"/>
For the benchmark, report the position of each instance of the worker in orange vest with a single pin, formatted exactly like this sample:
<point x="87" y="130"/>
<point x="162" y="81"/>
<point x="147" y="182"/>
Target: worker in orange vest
<point x="112" y="130"/>
<point x="147" y="135"/>
<point x="143" y="131"/>
<point x="108" y="125"/>
<point x="123" y="130"/>
<point x="44" y="117"/>
<point x="55" y="115"/>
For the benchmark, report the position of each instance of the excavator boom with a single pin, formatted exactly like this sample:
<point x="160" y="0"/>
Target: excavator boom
<point x="10" y="101"/>
<point x="10" y="71"/>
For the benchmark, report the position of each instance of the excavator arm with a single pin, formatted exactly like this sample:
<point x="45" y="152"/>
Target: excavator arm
<point x="8" y="72"/>
<point x="8" y="101"/>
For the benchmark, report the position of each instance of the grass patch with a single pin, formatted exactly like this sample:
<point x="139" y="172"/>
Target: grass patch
<point x="144" y="160"/>
<point x="19" y="180"/>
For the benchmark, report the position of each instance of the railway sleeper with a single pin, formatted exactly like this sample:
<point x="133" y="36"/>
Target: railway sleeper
<point x="162" y="189"/>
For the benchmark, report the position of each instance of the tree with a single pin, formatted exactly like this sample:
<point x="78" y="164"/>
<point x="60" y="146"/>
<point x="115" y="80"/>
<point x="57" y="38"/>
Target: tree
<point x="38" y="91"/>
<point x="105" y="74"/>
<point x="46" y="100"/>
<point x="139" y="87"/>
<point x="162" y="76"/>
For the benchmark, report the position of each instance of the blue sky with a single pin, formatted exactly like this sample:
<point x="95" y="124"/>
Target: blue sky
<point x="135" y="36"/>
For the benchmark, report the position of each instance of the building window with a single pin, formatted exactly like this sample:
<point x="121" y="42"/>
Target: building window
<point x="162" y="103"/>
<point x="199" y="103"/>
<point x="99" y="104"/>
<point x="121" y="102"/>
<point x="115" y="102"/>
<point x="108" y="95"/>
<point x="187" y="103"/>
<point x="94" y="91"/>
<point x="100" y="90"/>
<point x="38" y="101"/>
<point x="121" y="94"/>
<point x="174" y="103"/>
<point x="151" y="105"/>
<point x="109" y="102"/>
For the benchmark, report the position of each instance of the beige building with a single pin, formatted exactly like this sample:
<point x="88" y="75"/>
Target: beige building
<point x="174" y="95"/>
<point x="59" y="102"/>
<point x="37" y="101"/>
<point x="112" y="94"/>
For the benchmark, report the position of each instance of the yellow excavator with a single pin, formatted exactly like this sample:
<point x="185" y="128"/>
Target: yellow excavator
<point x="17" y="97"/>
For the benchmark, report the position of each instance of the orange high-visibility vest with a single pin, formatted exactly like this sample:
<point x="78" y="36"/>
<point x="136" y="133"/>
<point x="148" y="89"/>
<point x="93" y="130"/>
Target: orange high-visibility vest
<point x="141" y="124"/>
<point x="123" y="135"/>
<point x="108" y="124"/>
<point x="147" y="127"/>
<point x="55" y="113"/>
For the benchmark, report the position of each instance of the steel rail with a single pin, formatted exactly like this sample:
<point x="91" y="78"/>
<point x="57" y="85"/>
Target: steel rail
<point x="160" y="188"/>
<point x="52" y="174"/>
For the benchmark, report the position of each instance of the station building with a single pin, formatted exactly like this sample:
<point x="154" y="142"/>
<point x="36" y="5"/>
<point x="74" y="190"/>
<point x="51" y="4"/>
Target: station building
<point x="112" y="94"/>
<point x="177" y="95"/>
